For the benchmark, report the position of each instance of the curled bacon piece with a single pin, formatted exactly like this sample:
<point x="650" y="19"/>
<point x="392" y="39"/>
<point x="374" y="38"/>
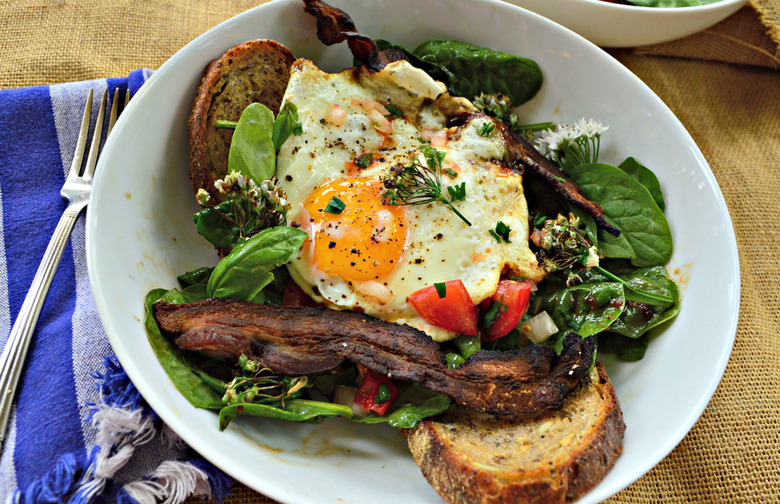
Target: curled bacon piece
<point x="527" y="155"/>
<point x="305" y="340"/>
<point x="334" y="26"/>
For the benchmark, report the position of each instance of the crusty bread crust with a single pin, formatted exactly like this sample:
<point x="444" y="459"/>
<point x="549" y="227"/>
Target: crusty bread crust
<point x="253" y="71"/>
<point x="472" y="458"/>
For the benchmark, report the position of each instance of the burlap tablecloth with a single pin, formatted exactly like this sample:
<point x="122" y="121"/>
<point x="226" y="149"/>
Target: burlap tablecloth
<point x="723" y="84"/>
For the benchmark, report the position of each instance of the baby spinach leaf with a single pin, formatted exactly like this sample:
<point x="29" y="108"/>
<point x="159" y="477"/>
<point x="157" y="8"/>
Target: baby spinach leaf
<point x="412" y="405"/>
<point x="244" y="272"/>
<point x="646" y="177"/>
<point x="628" y="203"/>
<point x="625" y="349"/>
<point x="286" y="124"/>
<point x="481" y="70"/>
<point x="639" y="317"/>
<point x="194" y="277"/>
<point x="252" y="152"/>
<point x="295" y="410"/>
<point x="179" y="369"/>
<point x="585" y="309"/>
<point x="615" y="247"/>
<point x="671" y="3"/>
<point x="435" y="70"/>
<point x="217" y="225"/>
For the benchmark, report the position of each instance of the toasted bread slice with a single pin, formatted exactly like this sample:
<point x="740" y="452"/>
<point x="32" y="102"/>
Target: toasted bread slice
<point x="253" y="71"/>
<point x="470" y="457"/>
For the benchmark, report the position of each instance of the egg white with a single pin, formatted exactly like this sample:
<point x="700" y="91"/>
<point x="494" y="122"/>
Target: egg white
<point x="439" y="245"/>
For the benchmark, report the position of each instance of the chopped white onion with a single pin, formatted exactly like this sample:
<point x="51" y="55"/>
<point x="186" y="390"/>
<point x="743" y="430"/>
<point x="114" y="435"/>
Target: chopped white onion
<point x="345" y="395"/>
<point x="539" y="327"/>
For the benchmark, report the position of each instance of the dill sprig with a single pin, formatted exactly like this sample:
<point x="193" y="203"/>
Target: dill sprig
<point x="255" y="384"/>
<point x="420" y="184"/>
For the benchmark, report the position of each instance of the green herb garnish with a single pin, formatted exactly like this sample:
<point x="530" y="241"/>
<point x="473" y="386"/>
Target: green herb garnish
<point x="501" y="232"/>
<point x="394" y="111"/>
<point x="487" y="128"/>
<point x="441" y="289"/>
<point x="419" y="184"/>
<point x="457" y="192"/>
<point x="335" y="206"/>
<point x="364" y="161"/>
<point x="384" y="394"/>
<point x="494" y="311"/>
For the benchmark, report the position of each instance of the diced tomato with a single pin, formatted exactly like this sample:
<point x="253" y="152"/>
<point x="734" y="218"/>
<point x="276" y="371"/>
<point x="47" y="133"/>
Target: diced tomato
<point x="294" y="296"/>
<point x="454" y="312"/>
<point x="376" y="393"/>
<point x="515" y="296"/>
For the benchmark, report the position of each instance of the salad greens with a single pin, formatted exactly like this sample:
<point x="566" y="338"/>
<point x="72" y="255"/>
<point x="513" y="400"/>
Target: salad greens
<point x="670" y="3"/>
<point x="612" y="287"/>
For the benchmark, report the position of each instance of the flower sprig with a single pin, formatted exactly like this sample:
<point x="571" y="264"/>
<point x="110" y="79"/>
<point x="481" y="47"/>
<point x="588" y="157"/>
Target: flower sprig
<point x="571" y="145"/>
<point x="250" y="206"/>
<point x="563" y="246"/>
<point x="256" y="384"/>
<point x="420" y="184"/>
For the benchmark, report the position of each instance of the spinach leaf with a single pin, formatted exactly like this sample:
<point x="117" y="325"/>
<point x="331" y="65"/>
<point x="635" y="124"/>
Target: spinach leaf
<point x="196" y="276"/>
<point x="481" y="70"/>
<point x="628" y="203"/>
<point x="412" y="405"/>
<point x="625" y="349"/>
<point x="177" y="366"/>
<point x="217" y="225"/>
<point x="639" y="317"/>
<point x="252" y="152"/>
<point x="616" y="247"/>
<point x="296" y="410"/>
<point x="286" y="124"/>
<point x="586" y="309"/>
<point x="646" y="177"/>
<point x="244" y="272"/>
<point x="435" y="70"/>
<point x="671" y="3"/>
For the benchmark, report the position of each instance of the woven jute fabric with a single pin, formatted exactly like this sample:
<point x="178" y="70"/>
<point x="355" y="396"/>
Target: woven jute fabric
<point x="723" y="84"/>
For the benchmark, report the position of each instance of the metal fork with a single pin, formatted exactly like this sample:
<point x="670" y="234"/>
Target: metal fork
<point x="76" y="190"/>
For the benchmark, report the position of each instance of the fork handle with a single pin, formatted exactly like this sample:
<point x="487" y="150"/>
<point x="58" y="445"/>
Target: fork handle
<point x="15" y="351"/>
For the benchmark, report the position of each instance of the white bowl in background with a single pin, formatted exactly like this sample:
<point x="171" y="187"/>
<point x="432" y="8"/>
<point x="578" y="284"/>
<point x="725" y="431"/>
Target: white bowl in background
<point x="609" y="24"/>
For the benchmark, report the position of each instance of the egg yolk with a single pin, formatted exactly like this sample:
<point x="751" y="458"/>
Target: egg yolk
<point x="354" y="235"/>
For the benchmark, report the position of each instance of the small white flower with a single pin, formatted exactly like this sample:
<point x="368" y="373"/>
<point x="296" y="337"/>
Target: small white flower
<point x="590" y="128"/>
<point x="593" y="257"/>
<point x="203" y="197"/>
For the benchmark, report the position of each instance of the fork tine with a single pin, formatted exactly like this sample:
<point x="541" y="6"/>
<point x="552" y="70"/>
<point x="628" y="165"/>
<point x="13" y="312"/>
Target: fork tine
<point x="114" y="112"/>
<point x="78" y="154"/>
<point x="89" y="168"/>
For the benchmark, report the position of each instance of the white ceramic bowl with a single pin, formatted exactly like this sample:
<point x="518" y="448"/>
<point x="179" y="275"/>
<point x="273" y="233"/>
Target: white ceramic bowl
<point x="140" y="236"/>
<point x="608" y="24"/>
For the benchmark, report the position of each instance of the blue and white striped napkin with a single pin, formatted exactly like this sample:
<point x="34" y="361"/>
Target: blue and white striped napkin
<point x="80" y="432"/>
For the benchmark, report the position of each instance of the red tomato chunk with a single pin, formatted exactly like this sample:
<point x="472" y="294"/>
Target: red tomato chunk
<point x="455" y="311"/>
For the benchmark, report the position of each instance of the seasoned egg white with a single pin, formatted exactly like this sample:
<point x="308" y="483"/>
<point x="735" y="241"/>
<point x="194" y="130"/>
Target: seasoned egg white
<point x="365" y="254"/>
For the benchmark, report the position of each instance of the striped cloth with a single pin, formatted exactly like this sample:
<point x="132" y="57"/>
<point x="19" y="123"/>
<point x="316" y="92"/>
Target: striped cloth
<point x="80" y="432"/>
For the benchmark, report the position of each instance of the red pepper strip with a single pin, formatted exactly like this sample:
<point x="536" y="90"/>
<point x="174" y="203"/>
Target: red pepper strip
<point x="454" y="312"/>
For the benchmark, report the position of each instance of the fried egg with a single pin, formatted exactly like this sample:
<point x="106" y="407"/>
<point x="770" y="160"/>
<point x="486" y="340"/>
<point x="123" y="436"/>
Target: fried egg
<point x="365" y="254"/>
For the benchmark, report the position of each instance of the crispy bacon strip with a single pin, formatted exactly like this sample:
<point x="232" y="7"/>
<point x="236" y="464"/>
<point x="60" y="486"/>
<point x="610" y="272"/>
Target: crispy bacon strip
<point x="527" y="155"/>
<point x="303" y="340"/>
<point x="334" y="26"/>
